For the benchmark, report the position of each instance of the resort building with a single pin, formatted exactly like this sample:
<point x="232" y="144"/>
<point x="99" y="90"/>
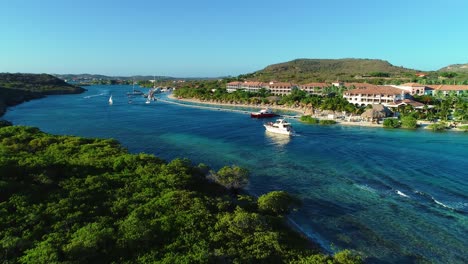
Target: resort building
<point x="445" y="89"/>
<point x="314" y="88"/>
<point x="246" y="86"/>
<point x="373" y="94"/>
<point x="276" y="88"/>
<point x="233" y="86"/>
<point x="337" y="84"/>
<point x="404" y="102"/>
<point x="412" y="88"/>
<point x="281" y="88"/>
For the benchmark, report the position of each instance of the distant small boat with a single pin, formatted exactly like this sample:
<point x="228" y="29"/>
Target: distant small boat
<point x="281" y="126"/>
<point x="134" y="92"/>
<point x="110" y="100"/>
<point x="267" y="112"/>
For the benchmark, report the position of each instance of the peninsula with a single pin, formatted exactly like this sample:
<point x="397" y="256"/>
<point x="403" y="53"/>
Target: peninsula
<point x="16" y="88"/>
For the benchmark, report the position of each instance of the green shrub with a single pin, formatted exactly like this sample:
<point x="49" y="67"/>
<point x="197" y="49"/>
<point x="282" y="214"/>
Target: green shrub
<point x="463" y="128"/>
<point x="327" y="122"/>
<point x="309" y="120"/>
<point x="438" y="126"/>
<point x="391" y="123"/>
<point x="277" y="203"/>
<point x="409" y="122"/>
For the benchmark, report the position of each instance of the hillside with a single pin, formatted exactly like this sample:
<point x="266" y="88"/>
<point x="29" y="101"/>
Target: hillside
<point x="455" y="68"/>
<point x="91" y="77"/>
<point x="16" y="88"/>
<point x="307" y="70"/>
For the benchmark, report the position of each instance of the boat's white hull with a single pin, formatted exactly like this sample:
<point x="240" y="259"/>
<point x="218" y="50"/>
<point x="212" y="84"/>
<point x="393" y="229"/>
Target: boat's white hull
<point x="278" y="130"/>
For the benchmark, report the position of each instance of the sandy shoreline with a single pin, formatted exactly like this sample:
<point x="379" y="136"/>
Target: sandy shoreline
<point x="423" y="124"/>
<point x="277" y="107"/>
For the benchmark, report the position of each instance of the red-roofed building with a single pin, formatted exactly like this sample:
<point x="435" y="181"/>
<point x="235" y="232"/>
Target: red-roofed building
<point x="233" y="86"/>
<point x="245" y="86"/>
<point x="446" y="89"/>
<point x="314" y="88"/>
<point x="373" y="94"/>
<point x="412" y="88"/>
<point x="281" y="88"/>
<point x="414" y="104"/>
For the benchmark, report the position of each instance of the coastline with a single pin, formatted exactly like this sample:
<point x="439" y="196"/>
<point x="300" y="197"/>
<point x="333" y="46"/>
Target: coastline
<point x="276" y="107"/>
<point x="16" y="97"/>
<point x="423" y="125"/>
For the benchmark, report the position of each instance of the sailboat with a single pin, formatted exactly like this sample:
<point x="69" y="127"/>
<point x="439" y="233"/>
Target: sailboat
<point x="134" y="92"/>
<point x="110" y="100"/>
<point x="150" y="96"/>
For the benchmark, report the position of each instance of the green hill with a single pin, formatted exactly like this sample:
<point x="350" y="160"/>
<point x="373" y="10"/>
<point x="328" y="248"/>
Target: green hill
<point x="16" y="88"/>
<point x="306" y="70"/>
<point x="455" y="68"/>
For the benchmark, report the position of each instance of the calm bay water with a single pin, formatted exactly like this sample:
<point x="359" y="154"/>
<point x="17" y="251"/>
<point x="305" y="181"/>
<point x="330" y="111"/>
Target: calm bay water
<point x="395" y="195"/>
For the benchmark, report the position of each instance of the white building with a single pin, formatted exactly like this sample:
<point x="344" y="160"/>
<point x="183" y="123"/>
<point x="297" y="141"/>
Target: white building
<point x="412" y="88"/>
<point x="281" y="88"/>
<point x="314" y="88"/>
<point x="245" y="86"/>
<point x="384" y="95"/>
<point x="445" y="89"/>
<point x="276" y="88"/>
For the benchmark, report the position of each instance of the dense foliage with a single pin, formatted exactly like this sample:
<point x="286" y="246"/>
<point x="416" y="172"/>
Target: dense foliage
<point x="78" y="200"/>
<point x="309" y="120"/>
<point x="327" y="122"/>
<point x="409" y="122"/>
<point x="438" y="126"/>
<point x="391" y="123"/>
<point x="43" y="83"/>
<point x="446" y="107"/>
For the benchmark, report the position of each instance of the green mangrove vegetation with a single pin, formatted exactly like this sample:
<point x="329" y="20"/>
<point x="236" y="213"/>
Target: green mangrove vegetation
<point x="66" y="199"/>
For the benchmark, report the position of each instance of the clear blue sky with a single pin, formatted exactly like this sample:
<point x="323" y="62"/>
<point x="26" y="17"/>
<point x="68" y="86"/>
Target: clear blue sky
<point x="219" y="38"/>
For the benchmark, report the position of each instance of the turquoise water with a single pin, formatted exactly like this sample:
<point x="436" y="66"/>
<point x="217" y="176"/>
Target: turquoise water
<point x="395" y="195"/>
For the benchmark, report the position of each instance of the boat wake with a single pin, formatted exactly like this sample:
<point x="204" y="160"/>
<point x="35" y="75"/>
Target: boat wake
<point x="457" y="206"/>
<point x="366" y="187"/>
<point x="460" y="207"/>
<point x="96" y="95"/>
<point x="442" y="204"/>
<point x="402" y="194"/>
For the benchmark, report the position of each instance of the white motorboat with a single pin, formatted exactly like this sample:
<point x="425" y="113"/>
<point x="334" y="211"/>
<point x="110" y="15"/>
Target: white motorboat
<point x="281" y="126"/>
